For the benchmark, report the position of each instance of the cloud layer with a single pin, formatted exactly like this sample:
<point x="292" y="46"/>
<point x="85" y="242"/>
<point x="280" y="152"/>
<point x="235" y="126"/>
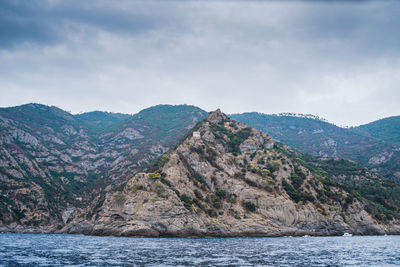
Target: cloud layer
<point x="338" y="60"/>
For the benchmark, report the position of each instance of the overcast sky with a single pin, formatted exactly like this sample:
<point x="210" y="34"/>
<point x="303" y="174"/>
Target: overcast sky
<point x="338" y="60"/>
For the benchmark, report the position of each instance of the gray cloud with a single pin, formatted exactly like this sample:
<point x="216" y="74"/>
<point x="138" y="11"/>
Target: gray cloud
<point x="339" y="60"/>
<point x="51" y="22"/>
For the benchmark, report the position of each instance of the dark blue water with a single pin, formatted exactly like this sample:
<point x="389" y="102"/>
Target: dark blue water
<point x="77" y="250"/>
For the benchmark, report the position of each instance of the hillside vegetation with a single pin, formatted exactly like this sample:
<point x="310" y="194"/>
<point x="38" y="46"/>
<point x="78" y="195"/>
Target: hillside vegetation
<point x="387" y="129"/>
<point x="320" y="138"/>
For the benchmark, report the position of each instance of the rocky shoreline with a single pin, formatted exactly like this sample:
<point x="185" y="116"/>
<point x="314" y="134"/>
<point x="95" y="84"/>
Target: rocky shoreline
<point x="294" y="233"/>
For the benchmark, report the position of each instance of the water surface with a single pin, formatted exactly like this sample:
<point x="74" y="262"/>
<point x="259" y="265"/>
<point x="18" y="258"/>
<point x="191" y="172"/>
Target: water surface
<point x="78" y="250"/>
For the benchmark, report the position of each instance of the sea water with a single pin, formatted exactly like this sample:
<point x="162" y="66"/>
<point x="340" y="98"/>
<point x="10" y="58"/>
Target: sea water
<point x="79" y="250"/>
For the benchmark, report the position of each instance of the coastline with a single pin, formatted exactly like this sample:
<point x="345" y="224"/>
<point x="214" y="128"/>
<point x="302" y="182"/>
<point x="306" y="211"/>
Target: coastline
<point x="300" y="233"/>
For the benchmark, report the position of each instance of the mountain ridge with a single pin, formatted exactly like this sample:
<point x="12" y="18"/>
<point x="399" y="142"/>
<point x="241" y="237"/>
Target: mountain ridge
<point x="387" y="129"/>
<point x="50" y="160"/>
<point x="320" y="138"/>
<point x="56" y="169"/>
<point x="226" y="179"/>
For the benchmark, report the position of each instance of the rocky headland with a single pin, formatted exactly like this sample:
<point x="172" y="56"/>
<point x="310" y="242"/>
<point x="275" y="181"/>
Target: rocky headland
<point x="226" y="179"/>
<point x="90" y="174"/>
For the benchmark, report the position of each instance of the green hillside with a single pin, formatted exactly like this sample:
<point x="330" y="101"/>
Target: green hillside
<point x="387" y="129"/>
<point x="320" y="138"/>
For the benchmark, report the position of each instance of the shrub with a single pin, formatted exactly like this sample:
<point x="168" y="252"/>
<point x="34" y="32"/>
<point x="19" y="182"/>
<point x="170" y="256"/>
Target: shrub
<point x="296" y="180"/>
<point x="266" y="171"/>
<point x="164" y="157"/>
<point x="165" y="181"/>
<point x="250" y="182"/>
<point x="18" y="213"/>
<point x="297" y="195"/>
<point x="221" y="193"/>
<point x="216" y="201"/>
<point x="235" y="139"/>
<point x="239" y="175"/>
<point x="290" y="191"/>
<point x="177" y="193"/>
<point x="211" y="213"/>
<point x="117" y="197"/>
<point x="349" y="199"/>
<point x="199" y="178"/>
<point x="187" y="201"/>
<point x="321" y="196"/>
<point x="159" y="188"/>
<point x="198" y="194"/>
<point x="133" y="188"/>
<point x="250" y="206"/>
<point x="198" y="203"/>
<point x="273" y="166"/>
<point x="154" y="175"/>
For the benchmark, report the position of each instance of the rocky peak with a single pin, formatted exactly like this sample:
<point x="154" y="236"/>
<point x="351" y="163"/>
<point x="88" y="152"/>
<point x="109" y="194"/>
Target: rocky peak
<point x="232" y="181"/>
<point x="216" y="116"/>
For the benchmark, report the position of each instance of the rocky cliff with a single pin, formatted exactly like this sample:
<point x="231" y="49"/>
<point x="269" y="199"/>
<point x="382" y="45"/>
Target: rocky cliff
<point x="54" y="164"/>
<point x="226" y="179"/>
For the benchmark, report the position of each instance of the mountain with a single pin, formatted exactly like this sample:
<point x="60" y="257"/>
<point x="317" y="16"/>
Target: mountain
<point x="80" y="174"/>
<point x="98" y="120"/>
<point x="53" y="163"/>
<point x="319" y="138"/>
<point x="227" y="179"/>
<point x="387" y="129"/>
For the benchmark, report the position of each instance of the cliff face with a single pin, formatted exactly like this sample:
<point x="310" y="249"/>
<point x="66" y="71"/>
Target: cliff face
<point x="54" y="165"/>
<point x="226" y="179"/>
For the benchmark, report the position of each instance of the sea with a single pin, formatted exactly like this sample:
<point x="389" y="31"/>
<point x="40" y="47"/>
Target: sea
<point x="79" y="250"/>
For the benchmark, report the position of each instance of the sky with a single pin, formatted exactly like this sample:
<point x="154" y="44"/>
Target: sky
<point x="339" y="60"/>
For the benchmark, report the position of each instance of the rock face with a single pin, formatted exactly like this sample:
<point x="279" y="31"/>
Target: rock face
<point x="237" y="181"/>
<point x="54" y="165"/>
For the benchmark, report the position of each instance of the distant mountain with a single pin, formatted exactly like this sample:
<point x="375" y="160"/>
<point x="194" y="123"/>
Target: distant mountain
<point x="99" y="120"/>
<point x="387" y="129"/>
<point x="320" y="138"/>
<point x="227" y="179"/>
<point x="52" y="162"/>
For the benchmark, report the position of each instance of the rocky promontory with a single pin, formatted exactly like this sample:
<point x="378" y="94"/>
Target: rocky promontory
<point x="226" y="179"/>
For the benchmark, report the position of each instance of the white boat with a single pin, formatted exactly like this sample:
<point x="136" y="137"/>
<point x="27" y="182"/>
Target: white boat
<point x="347" y="234"/>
